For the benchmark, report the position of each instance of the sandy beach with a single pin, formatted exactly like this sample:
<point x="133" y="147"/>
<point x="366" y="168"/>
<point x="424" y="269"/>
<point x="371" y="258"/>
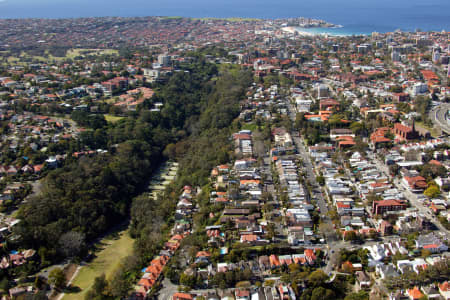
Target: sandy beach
<point x="294" y="30"/>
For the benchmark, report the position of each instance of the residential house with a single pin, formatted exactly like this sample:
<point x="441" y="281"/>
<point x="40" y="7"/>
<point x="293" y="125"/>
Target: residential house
<point x="182" y="296"/>
<point x="274" y="261"/>
<point x="284" y="292"/>
<point x="431" y="292"/>
<point x="340" y="132"/>
<point x="285" y="259"/>
<point x="328" y="104"/>
<point x="430" y="242"/>
<point x="444" y="289"/>
<point x="310" y="256"/>
<point x="242" y="294"/>
<point x="415" y="293"/>
<point x="385" y="228"/>
<point x="363" y="279"/>
<point x="386" y="271"/>
<point x="296" y="235"/>
<point x="415" y="183"/>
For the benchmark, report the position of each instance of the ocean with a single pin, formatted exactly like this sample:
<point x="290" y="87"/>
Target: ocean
<point x="356" y="16"/>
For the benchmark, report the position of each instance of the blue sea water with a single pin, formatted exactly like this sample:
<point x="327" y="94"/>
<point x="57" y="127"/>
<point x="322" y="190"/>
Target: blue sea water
<point x="357" y="16"/>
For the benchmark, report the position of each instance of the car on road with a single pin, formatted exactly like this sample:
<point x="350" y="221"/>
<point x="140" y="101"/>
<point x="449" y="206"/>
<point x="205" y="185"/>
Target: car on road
<point x="357" y="242"/>
<point x="421" y="197"/>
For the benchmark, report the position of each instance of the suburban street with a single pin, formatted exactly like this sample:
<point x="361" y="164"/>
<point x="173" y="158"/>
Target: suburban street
<point x="334" y="244"/>
<point x="318" y="196"/>
<point x="424" y="210"/>
<point x="412" y="198"/>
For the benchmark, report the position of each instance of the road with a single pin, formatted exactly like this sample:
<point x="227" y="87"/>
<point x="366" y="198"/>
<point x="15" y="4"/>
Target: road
<point x="167" y="290"/>
<point x="423" y="209"/>
<point x="413" y="199"/>
<point x="334" y="243"/>
<point x="60" y="296"/>
<point x="439" y="117"/>
<point x="318" y="196"/>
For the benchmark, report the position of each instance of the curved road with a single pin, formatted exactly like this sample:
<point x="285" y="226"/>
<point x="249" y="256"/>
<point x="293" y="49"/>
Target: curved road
<point x="439" y="117"/>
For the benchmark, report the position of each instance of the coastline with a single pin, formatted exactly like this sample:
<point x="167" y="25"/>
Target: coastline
<point x="337" y="30"/>
<point x="294" y="30"/>
<point x="357" y="17"/>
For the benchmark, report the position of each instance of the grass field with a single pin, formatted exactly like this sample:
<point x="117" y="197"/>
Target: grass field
<point x="111" y="251"/>
<point x="212" y="18"/>
<point x="111" y="100"/>
<point x="71" y="54"/>
<point x="229" y="19"/>
<point x="12" y="59"/>
<point x="251" y="126"/>
<point x="112" y="119"/>
<point x="434" y="132"/>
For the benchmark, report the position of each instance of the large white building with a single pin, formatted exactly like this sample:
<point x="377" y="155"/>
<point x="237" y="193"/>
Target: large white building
<point x="151" y="74"/>
<point x="164" y="60"/>
<point x="419" y="88"/>
<point x="303" y="105"/>
<point x="395" y="56"/>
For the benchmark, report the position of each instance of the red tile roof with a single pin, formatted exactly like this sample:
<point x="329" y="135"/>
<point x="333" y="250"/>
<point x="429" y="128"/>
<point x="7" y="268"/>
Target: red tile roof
<point x="182" y="296"/>
<point x="415" y="293"/>
<point x="389" y="202"/>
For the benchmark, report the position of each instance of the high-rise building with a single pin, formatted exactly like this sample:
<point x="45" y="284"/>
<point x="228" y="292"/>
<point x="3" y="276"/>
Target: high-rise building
<point x="322" y="91"/>
<point x="164" y="60"/>
<point x="379" y="44"/>
<point x="364" y="48"/>
<point x="419" y="88"/>
<point x="436" y="55"/>
<point x="395" y="56"/>
<point x="423" y="41"/>
<point x="389" y="39"/>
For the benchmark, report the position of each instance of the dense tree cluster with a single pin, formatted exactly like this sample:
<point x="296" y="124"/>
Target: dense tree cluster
<point x="209" y="144"/>
<point x="93" y="194"/>
<point x="199" y="143"/>
<point x="88" y="196"/>
<point x="436" y="273"/>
